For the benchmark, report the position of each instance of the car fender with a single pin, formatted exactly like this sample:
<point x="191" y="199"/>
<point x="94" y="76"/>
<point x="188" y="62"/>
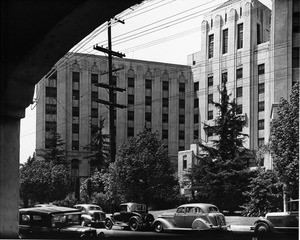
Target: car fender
<point x="165" y="222"/>
<point x="266" y="221"/>
<point x="138" y="218"/>
<point x="110" y="218"/>
<point x="201" y="224"/>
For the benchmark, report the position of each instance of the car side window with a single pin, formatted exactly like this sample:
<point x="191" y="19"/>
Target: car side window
<point x="190" y="210"/>
<point x="198" y="210"/>
<point x="181" y="210"/>
<point x="123" y="208"/>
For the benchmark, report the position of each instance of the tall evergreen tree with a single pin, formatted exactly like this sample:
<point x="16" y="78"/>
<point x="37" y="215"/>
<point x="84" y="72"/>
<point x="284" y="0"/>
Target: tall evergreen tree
<point x="223" y="175"/>
<point x="99" y="147"/>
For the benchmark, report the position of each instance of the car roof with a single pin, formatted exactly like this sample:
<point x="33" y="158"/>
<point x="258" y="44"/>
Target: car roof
<point x="86" y="205"/>
<point x="132" y="203"/>
<point x="201" y="205"/>
<point x="49" y="210"/>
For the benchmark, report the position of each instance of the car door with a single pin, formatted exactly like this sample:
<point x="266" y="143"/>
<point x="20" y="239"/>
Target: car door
<point x="179" y="217"/>
<point x="190" y="216"/>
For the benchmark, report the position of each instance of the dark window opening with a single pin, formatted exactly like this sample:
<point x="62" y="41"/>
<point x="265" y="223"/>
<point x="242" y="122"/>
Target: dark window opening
<point x="210" y="46"/>
<point x="239" y="73"/>
<point x="181" y="103"/>
<point x="261" y="88"/>
<point x="225" y="41"/>
<point x="261" y="69"/>
<point x="240" y="36"/>
<point x="148" y="100"/>
<point x="210" y="81"/>
<point x="148" y="83"/>
<point x="131" y="82"/>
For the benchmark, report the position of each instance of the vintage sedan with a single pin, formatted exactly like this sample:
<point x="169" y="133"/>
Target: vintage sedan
<point x="91" y="215"/>
<point x="134" y="216"/>
<point x="53" y="222"/>
<point x="192" y="216"/>
<point x="276" y="222"/>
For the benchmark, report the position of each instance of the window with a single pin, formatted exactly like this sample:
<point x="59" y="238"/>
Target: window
<point x="94" y="78"/>
<point x="196" y="87"/>
<point x="261" y="106"/>
<point x="184" y="162"/>
<point x="295" y="57"/>
<point x="196" y="118"/>
<point x="181" y="135"/>
<point x="258" y="33"/>
<point x="148" y="83"/>
<point x="75" y="145"/>
<point x="181" y="103"/>
<point x="261" y="142"/>
<point x="209" y="132"/>
<point x="225" y="41"/>
<point x="50" y="126"/>
<point x="94" y="95"/>
<point x="224" y="77"/>
<point x="241" y="12"/>
<point x="239" y="73"/>
<point x="210" y="46"/>
<point x="114" y="80"/>
<point x="210" y="81"/>
<point x="131" y="82"/>
<point x="261" y="124"/>
<point x="225" y="17"/>
<point x="181" y="119"/>
<point x="196" y="134"/>
<point x="196" y="102"/>
<point x="75" y="94"/>
<point x="148" y="100"/>
<point x="165" y="118"/>
<point x="75" y="77"/>
<point x="261" y="69"/>
<point x="210" y="98"/>
<point x="296" y="20"/>
<point x="130" y="99"/>
<point x="75" y="111"/>
<point x="239" y="92"/>
<point x="239" y="109"/>
<point x="165" y="102"/>
<point x="130" y="132"/>
<point x="165" y="134"/>
<point x="75" y="128"/>
<point x="148" y="117"/>
<point x="130" y="115"/>
<point x="240" y="36"/>
<point x="210" y="115"/>
<point x="94" y="112"/>
<point x="75" y="167"/>
<point x="51" y="92"/>
<point x="181" y="87"/>
<point x="261" y="88"/>
<point x="165" y="86"/>
<point x="51" y="108"/>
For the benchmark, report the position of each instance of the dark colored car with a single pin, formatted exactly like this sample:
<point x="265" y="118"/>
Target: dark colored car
<point x="92" y="215"/>
<point x="53" y="222"/>
<point x="192" y="216"/>
<point x="134" y="216"/>
<point x="275" y="222"/>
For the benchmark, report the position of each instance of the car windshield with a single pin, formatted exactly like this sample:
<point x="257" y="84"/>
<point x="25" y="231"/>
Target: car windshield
<point x="60" y="220"/>
<point x="213" y="209"/>
<point x="140" y="208"/>
<point x="94" y="208"/>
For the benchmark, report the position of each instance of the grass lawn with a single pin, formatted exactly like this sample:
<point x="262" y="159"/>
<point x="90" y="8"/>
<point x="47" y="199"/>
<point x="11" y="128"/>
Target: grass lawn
<point x="231" y="220"/>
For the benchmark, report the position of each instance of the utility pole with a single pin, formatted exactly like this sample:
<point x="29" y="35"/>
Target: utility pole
<point x="112" y="88"/>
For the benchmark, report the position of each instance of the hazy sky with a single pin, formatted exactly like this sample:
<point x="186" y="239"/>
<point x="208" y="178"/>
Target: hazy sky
<point x="157" y="30"/>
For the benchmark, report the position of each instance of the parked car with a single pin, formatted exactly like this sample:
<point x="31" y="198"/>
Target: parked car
<point x="192" y="216"/>
<point x="134" y="216"/>
<point x="92" y="215"/>
<point x="53" y="222"/>
<point x="275" y="222"/>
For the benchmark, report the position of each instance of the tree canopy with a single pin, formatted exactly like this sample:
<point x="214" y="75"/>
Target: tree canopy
<point x="284" y="142"/>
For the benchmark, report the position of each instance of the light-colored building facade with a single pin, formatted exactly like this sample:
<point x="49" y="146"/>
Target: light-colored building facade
<point x="157" y="96"/>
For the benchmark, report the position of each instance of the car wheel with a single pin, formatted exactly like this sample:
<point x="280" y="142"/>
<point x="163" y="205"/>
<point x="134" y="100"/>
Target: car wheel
<point x="158" y="227"/>
<point x="133" y="224"/>
<point x="261" y="228"/>
<point x="108" y="224"/>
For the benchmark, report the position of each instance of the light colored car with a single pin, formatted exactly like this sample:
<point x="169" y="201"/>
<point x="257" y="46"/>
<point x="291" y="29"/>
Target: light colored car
<point x="91" y="215"/>
<point x="192" y="216"/>
<point x="275" y="222"/>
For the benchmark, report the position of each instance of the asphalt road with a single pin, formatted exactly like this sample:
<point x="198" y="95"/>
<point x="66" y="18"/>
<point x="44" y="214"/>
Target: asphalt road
<point x="234" y="233"/>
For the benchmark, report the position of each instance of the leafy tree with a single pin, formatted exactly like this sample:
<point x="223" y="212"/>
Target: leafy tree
<point x="43" y="181"/>
<point x="100" y="147"/>
<point x="142" y="171"/>
<point x="265" y="194"/>
<point x="223" y="175"/>
<point x="284" y="143"/>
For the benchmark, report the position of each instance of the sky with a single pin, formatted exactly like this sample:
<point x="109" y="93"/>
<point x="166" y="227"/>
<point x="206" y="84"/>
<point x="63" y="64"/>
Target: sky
<point x="155" y="30"/>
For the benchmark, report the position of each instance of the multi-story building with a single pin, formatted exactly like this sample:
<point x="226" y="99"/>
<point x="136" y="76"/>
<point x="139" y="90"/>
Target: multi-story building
<point x="234" y="49"/>
<point x="157" y="96"/>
